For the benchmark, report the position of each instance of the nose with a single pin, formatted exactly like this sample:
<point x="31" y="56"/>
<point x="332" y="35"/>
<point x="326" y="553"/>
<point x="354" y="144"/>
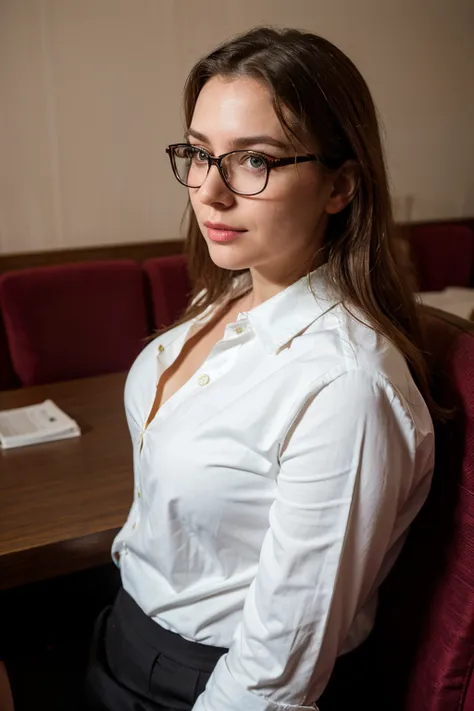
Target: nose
<point x="214" y="191"/>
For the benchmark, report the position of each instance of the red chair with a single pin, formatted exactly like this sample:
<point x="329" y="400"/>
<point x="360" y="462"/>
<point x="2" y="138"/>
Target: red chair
<point x="428" y="606"/>
<point x="74" y="320"/>
<point x="420" y="655"/>
<point x="170" y="288"/>
<point x="442" y="255"/>
<point x="8" y="379"/>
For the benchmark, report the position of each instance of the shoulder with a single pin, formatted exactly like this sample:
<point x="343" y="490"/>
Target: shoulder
<point x="350" y="343"/>
<point x="366" y="364"/>
<point x="350" y="340"/>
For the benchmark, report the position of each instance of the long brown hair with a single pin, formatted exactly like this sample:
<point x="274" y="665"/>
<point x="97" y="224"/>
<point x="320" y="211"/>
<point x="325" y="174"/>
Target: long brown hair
<point x="317" y="90"/>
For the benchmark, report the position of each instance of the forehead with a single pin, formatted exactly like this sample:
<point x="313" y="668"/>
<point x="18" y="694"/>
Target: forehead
<point x="229" y="108"/>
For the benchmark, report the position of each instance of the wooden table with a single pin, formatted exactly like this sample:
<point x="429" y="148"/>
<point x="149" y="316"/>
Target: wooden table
<point x="61" y="503"/>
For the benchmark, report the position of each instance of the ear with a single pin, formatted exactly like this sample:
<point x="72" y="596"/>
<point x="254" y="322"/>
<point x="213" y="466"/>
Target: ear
<point x="344" y="186"/>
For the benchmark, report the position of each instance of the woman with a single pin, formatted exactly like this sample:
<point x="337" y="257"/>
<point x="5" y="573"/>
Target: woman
<point x="282" y="435"/>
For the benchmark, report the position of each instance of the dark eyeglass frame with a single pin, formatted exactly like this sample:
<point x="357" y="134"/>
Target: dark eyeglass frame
<point x="217" y="161"/>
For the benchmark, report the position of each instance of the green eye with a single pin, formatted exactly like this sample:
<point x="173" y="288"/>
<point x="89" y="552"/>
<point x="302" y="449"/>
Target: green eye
<point x="201" y="155"/>
<point x="256" y="162"/>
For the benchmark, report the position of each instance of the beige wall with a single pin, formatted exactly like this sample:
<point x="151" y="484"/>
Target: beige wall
<point x="90" y="93"/>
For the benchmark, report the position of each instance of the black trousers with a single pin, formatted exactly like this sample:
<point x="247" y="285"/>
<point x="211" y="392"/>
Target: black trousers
<point x="136" y="665"/>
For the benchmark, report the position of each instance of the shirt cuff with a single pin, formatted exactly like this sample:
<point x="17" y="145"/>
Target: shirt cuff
<point x="224" y="693"/>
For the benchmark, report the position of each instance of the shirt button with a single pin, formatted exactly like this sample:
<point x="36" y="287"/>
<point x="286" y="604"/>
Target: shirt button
<point x="203" y="380"/>
<point x="139" y="493"/>
<point x="161" y="348"/>
<point x="134" y="525"/>
<point x="239" y="330"/>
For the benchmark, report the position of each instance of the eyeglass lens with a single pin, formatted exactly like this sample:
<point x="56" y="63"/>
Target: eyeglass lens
<point x="244" y="171"/>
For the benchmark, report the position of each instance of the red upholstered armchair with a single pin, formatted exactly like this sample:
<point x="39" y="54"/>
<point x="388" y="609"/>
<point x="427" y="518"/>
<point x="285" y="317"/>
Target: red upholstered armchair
<point x="420" y="656"/>
<point x="442" y="255"/>
<point x="427" y="608"/>
<point x="8" y="378"/>
<point x="74" y="320"/>
<point x="170" y="287"/>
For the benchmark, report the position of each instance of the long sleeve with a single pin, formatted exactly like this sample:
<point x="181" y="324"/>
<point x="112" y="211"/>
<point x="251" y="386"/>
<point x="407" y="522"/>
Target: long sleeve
<point x="347" y="466"/>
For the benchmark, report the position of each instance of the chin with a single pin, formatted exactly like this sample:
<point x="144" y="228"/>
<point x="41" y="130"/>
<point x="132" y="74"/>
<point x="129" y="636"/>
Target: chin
<point x="227" y="257"/>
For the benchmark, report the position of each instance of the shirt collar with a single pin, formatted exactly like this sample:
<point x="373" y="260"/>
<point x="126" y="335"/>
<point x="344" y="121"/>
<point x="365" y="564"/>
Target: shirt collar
<point x="283" y="316"/>
<point x="280" y="318"/>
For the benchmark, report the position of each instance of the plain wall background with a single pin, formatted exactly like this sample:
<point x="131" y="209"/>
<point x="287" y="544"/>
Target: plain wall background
<point x="90" y="95"/>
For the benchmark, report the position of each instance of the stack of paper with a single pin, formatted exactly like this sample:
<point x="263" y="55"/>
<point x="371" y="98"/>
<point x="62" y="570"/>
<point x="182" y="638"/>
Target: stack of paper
<point x="34" y="424"/>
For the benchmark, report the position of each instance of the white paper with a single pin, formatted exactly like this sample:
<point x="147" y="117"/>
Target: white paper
<point x="33" y="424"/>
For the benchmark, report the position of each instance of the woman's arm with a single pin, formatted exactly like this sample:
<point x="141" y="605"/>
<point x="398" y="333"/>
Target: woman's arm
<point x="347" y="468"/>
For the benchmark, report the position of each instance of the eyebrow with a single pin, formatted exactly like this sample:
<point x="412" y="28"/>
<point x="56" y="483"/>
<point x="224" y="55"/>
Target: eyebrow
<point x="244" y="142"/>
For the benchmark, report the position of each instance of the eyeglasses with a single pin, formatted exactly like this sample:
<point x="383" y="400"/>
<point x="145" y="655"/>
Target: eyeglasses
<point x="244" y="172"/>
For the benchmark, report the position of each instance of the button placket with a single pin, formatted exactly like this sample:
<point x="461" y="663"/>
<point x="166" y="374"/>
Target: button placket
<point x="136" y="510"/>
<point x="160" y="349"/>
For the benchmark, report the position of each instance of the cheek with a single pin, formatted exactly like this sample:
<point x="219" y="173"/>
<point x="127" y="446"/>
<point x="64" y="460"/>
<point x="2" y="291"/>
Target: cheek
<point x="193" y="200"/>
<point x="197" y="208"/>
<point x="298" y="207"/>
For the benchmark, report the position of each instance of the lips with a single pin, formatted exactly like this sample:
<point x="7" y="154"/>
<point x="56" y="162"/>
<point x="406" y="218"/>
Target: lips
<point x="222" y="226"/>
<point x="220" y="232"/>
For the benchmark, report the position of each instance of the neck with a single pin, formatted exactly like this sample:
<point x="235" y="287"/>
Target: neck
<point x="264" y="287"/>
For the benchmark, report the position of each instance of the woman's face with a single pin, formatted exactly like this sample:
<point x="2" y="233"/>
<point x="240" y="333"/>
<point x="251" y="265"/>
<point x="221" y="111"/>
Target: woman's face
<point x="279" y="230"/>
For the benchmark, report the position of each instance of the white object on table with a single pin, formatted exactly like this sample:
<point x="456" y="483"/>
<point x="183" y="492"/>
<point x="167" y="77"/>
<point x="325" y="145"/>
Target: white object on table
<point x="455" y="300"/>
<point x="34" y="424"/>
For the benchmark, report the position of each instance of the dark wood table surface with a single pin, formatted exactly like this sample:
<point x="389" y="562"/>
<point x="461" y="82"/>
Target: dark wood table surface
<point x="61" y="503"/>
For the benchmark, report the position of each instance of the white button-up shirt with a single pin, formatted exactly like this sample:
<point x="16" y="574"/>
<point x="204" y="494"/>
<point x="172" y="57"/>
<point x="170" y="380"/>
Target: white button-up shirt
<point x="273" y="492"/>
